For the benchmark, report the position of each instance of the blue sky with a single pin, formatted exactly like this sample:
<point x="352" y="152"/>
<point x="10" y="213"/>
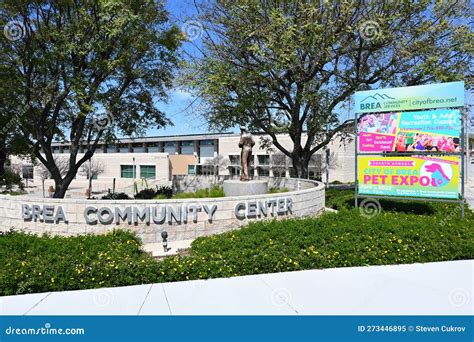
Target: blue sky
<point x="177" y="106"/>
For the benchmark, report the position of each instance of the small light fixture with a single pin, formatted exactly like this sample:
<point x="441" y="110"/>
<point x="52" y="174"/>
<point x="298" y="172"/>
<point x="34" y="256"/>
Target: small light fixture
<point x="164" y="236"/>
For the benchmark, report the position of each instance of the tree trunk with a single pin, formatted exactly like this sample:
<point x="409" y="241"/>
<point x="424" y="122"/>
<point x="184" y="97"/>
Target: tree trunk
<point x="61" y="186"/>
<point x="3" y="159"/>
<point x="300" y="165"/>
<point x="59" y="190"/>
<point x="90" y="185"/>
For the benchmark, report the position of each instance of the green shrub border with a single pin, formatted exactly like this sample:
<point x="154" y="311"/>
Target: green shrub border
<point x="404" y="232"/>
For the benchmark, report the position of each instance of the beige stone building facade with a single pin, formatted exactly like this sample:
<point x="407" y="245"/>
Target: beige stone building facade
<point x="158" y="159"/>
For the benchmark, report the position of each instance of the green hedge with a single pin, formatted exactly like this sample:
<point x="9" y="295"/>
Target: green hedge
<point x="406" y="232"/>
<point x="37" y="264"/>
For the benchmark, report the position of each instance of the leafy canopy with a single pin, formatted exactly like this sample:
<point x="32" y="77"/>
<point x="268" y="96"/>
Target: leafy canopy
<point x="289" y="66"/>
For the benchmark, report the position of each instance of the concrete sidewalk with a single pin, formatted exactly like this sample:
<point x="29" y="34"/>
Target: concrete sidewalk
<point x="443" y="288"/>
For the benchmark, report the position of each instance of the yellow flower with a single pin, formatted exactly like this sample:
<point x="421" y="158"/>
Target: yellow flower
<point x="52" y="280"/>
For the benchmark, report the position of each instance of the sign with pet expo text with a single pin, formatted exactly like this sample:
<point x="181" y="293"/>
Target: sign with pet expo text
<point x="431" y="177"/>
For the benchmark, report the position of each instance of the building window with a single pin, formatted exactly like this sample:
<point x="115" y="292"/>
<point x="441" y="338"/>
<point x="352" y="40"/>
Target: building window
<point x="263" y="171"/>
<point x="234" y="170"/>
<point x="94" y="176"/>
<point x="27" y="171"/>
<point x="126" y="171"/>
<point x="206" y="149"/>
<point x="263" y="159"/>
<point x="191" y="169"/>
<point x="123" y="148"/>
<point x="148" y="171"/>
<point x="170" y="147"/>
<point x="207" y="170"/>
<point x="100" y="149"/>
<point x="138" y="148"/>
<point x="187" y="147"/>
<point x="111" y="148"/>
<point x="153" y="147"/>
<point x="234" y="159"/>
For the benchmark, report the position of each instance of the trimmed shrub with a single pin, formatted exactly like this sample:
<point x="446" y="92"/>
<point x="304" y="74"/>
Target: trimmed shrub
<point x="116" y="196"/>
<point x="146" y="194"/>
<point x="9" y="179"/>
<point x="164" y="191"/>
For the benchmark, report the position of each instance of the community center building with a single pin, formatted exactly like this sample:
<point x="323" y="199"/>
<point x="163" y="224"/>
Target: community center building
<point x="158" y="159"/>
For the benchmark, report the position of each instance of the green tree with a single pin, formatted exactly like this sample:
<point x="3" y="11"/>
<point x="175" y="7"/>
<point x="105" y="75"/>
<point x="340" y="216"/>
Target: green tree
<point x="11" y="140"/>
<point x="82" y="71"/>
<point x="289" y="66"/>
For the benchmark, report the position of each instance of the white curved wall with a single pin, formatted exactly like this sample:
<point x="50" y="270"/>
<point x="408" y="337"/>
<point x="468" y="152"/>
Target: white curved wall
<point x="183" y="219"/>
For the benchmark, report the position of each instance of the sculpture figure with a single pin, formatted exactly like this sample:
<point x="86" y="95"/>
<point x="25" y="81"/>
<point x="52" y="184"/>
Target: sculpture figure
<point x="246" y="143"/>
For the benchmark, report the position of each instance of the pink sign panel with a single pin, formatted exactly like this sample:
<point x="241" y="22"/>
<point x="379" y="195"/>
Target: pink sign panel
<point x="429" y="130"/>
<point x="373" y="142"/>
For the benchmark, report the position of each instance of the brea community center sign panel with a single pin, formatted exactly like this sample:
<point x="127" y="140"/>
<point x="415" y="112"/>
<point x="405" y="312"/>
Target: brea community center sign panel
<point x="409" y="141"/>
<point x="441" y="95"/>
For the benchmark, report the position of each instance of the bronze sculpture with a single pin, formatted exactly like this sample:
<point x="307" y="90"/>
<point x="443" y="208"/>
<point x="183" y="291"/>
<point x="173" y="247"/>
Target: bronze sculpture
<point x="246" y="143"/>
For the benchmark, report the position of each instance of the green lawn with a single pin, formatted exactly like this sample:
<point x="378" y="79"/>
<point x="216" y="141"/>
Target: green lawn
<point x="404" y="232"/>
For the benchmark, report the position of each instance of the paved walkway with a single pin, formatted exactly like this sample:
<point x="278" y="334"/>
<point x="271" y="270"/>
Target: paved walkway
<point x="443" y="288"/>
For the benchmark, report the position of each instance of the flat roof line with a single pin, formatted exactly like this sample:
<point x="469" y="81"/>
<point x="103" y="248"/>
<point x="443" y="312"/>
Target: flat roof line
<point x="157" y="138"/>
<point x="166" y="138"/>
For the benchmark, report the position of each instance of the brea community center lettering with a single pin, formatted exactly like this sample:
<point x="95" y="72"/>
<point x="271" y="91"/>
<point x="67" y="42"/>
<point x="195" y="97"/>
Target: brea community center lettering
<point x="158" y="214"/>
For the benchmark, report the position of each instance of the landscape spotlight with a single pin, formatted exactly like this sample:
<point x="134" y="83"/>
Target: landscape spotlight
<point x="164" y="236"/>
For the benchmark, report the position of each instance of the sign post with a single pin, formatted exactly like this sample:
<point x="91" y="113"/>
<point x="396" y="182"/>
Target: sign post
<point x="410" y="143"/>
